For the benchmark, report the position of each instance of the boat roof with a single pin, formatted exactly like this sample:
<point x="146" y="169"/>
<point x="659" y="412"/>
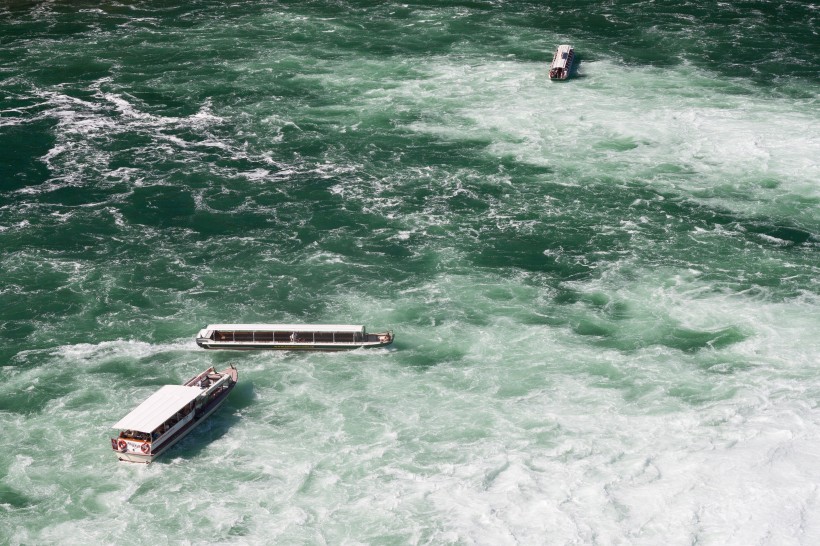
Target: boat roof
<point x="561" y="56"/>
<point x="289" y="327"/>
<point x="158" y="408"/>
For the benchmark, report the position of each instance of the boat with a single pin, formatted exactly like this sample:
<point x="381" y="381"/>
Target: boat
<point x="169" y="414"/>
<point x="562" y="62"/>
<point x="290" y="337"/>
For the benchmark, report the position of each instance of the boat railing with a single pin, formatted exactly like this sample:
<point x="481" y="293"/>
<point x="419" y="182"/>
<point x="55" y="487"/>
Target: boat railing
<point x="199" y="377"/>
<point x="173" y="429"/>
<point x="215" y="397"/>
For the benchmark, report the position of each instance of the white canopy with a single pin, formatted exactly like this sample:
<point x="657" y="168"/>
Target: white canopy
<point x="561" y="56"/>
<point x="158" y="408"/>
<point x="287" y="327"/>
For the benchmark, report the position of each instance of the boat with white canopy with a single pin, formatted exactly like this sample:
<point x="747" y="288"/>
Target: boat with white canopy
<point x="562" y="62"/>
<point x="169" y="414"/>
<point x="291" y="337"/>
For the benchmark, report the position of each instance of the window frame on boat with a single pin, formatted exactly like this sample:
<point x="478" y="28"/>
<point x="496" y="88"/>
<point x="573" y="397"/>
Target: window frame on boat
<point x="242" y="333"/>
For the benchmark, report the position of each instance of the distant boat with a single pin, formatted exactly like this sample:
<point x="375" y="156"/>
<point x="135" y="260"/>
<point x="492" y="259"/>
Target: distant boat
<point x="169" y="414"/>
<point x="290" y="337"/>
<point x="562" y="62"/>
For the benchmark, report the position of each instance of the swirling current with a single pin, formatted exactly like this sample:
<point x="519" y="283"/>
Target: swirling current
<point x="604" y="291"/>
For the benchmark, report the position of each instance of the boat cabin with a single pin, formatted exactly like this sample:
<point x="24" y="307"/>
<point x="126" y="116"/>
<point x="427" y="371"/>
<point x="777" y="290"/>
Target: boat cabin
<point x="320" y="337"/>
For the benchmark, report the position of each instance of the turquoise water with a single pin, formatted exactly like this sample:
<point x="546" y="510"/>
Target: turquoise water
<point x="604" y="291"/>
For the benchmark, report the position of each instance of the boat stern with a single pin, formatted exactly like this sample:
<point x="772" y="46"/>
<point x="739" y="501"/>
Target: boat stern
<point x="203" y="338"/>
<point x="132" y="451"/>
<point x="382" y="339"/>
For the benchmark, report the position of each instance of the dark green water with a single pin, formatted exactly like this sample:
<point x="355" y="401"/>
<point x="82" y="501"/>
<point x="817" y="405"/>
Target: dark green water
<point x="604" y="291"/>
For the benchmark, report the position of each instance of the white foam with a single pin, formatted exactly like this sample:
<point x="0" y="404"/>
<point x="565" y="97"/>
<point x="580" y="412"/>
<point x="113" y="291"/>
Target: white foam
<point x="119" y="348"/>
<point x="491" y="420"/>
<point x="625" y="123"/>
<point x="257" y="175"/>
<point x="490" y="447"/>
<point x="84" y="127"/>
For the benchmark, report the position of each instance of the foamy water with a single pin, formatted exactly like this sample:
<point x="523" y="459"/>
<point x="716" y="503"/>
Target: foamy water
<point x="604" y="291"/>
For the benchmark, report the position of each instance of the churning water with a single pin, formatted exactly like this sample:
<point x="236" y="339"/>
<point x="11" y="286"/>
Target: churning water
<point x="604" y="291"/>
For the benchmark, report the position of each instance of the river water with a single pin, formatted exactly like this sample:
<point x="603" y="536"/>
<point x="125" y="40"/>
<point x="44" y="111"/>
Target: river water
<point x="604" y="291"/>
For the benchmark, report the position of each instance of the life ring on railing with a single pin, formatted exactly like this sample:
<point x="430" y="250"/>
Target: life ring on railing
<point x="121" y="445"/>
<point x="146" y="447"/>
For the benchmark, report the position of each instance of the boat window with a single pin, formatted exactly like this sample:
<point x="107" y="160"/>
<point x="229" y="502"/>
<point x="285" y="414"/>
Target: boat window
<point x="263" y="336"/>
<point x="323" y="337"/>
<point x="134" y="435"/>
<point x="243" y="336"/>
<point x="281" y="336"/>
<point x="305" y="337"/>
<point x="344" y="337"/>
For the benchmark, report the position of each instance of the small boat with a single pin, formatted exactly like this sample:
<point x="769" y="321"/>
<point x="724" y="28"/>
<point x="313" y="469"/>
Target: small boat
<point x="562" y="62"/>
<point x="169" y="414"/>
<point x="290" y="337"/>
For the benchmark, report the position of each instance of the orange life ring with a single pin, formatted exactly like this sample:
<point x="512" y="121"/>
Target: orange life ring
<point x="122" y="445"/>
<point x="146" y="447"/>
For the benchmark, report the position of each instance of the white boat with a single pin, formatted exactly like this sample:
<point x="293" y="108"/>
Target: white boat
<point x="290" y="337"/>
<point x="169" y="414"/>
<point x="562" y="62"/>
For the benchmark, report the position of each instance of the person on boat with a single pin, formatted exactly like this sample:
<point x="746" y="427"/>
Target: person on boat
<point x="293" y="337"/>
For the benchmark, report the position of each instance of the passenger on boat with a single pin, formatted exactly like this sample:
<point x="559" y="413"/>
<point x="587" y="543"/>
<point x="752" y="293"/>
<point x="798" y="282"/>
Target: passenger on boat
<point x="293" y="337"/>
